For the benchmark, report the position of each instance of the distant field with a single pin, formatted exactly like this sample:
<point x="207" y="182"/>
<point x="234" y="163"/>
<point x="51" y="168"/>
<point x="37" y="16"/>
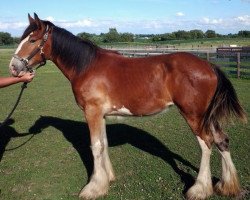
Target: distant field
<point x="191" y="43"/>
<point x="44" y="151"/>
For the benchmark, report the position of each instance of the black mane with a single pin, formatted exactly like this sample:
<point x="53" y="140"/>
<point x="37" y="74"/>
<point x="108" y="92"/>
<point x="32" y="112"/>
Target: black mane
<point x="74" y="52"/>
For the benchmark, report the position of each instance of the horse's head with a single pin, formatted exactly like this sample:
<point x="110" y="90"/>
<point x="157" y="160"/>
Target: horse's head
<point x="34" y="48"/>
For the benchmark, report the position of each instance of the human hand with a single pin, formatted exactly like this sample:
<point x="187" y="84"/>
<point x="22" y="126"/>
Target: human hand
<point x="27" y="77"/>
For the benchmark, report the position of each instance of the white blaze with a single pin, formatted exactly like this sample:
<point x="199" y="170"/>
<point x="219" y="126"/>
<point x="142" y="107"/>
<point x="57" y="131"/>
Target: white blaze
<point x="21" y="44"/>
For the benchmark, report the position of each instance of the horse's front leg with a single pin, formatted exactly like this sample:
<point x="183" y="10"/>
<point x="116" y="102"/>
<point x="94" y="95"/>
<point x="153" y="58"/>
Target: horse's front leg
<point x="102" y="172"/>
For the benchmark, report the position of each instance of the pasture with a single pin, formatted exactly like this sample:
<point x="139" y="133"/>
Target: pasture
<point x="45" y="154"/>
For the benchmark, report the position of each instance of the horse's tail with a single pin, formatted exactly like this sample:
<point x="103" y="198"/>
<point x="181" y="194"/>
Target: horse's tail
<point x="223" y="105"/>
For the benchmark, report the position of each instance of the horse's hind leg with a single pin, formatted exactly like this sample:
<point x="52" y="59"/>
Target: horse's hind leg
<point x="103" y="172"/>
<point x="229" y="184"/>
<point x="203" y="185"/>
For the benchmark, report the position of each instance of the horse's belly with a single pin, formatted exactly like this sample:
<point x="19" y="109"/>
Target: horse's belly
<point x="159" y="110"/>
<point x="125" y="111"/>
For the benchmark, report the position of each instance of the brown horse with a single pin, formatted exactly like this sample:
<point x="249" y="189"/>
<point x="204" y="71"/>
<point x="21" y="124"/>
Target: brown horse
<point x="106" y="83"/>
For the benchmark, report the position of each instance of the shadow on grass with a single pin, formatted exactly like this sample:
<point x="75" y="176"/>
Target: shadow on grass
<point x="7" y="133"/>
<point x="77" y="133"/>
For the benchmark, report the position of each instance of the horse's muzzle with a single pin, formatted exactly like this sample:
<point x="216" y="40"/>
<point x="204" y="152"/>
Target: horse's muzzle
<point x="17" y="67"/>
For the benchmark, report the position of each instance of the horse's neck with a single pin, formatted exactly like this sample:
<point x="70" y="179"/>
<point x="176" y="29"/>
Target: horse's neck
<point x="68" y="73"/>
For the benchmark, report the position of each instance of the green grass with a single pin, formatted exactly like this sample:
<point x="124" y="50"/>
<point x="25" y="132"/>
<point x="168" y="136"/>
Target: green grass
<point x="44" y="152"/>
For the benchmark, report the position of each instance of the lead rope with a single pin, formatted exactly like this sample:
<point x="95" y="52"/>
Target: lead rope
<point x="24" y="85"/>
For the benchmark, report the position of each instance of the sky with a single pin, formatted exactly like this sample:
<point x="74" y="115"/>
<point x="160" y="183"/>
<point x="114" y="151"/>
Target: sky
<point x="134" y="16"/>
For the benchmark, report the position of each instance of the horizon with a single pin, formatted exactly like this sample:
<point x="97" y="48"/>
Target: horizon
<point x="147" y="34"/>
<point x="133" y="16"/>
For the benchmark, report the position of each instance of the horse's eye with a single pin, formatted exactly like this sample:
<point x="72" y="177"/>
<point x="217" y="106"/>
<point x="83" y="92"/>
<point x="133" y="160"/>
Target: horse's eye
<point x="32" y="41"/>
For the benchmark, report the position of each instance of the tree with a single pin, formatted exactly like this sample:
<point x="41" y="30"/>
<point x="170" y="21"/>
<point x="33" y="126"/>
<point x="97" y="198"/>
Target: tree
<point x="85" y="35"/>
<point x="210" y="34"/>
<point x="157" y="38"/>
<point x="5" y="38"/>
<point x="196" y="34"/>
<point x="167" y="36"/>
<point x="126" y="37"/>
<point x="111" y="36"/>
<point x="97" y="39"/>
<point x="244" y="33"/>
<point x="16" y="40"/>
<point x="181" y="34"/>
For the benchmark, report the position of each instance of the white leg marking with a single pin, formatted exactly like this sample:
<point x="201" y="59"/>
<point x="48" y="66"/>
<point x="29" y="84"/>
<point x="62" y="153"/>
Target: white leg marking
<point x="204" y="173"/>
<point x="106" y="158"/>
<point x="229" y="184"/>
<point x="203" y="185"/>
<point x="99" y="182"/>
<point x="227" y="166"/>
<point x="97" y="150"/>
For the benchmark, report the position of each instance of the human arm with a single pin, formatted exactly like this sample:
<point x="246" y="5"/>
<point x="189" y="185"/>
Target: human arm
<point x="6" y="81"/>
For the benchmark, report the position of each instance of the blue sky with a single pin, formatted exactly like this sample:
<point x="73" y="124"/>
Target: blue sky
<point x="135" y="16"/>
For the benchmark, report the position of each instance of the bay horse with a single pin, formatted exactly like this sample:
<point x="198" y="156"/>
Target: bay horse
<point x="105" y="83"/>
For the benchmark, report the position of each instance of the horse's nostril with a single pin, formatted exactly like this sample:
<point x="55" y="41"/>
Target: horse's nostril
<point x="13" y="67"/>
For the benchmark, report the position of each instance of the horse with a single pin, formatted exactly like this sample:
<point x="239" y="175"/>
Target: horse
<point x="106" y="83"/>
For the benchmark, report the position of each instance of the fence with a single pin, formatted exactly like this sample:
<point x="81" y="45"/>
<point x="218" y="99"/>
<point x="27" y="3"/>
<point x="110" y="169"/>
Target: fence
<point x="240" y="54"/>
<point x="234" y="61"/>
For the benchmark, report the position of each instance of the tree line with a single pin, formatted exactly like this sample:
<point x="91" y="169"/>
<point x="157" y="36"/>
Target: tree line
<point x="7" y="39"/>
<point x="110" y="37"/>
<point x="197" y="34"/>
<point x="114" y="36"/>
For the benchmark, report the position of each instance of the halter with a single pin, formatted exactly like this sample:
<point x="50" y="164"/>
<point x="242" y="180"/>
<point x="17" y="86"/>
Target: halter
<point x="25" y="61"/>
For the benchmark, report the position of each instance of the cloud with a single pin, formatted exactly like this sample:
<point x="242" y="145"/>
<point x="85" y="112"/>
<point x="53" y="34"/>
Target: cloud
<point x="12" y="25"/>
<point x="49" y="18"/>
<point x="208" y="21"/>
<point x="244" y="20"/>
<point x="220" y="25"/>
<point x="180" y="14"/>
<point x="78" y="24"/>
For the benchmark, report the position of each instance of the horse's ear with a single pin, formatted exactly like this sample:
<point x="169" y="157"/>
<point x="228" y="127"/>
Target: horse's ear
<point x="31" y="20"/>
<point x="38" y="21"/>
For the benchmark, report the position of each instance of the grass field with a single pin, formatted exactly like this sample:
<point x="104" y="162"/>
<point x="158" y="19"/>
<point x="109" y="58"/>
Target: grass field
<point x="189" y="43"/>
<point x="44" y="151"/>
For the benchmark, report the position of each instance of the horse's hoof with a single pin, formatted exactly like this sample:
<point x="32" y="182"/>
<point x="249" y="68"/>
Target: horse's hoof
<point x="227" y="189"/>
<point x="199" y="191"/>
<point x="93" y="191"/>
